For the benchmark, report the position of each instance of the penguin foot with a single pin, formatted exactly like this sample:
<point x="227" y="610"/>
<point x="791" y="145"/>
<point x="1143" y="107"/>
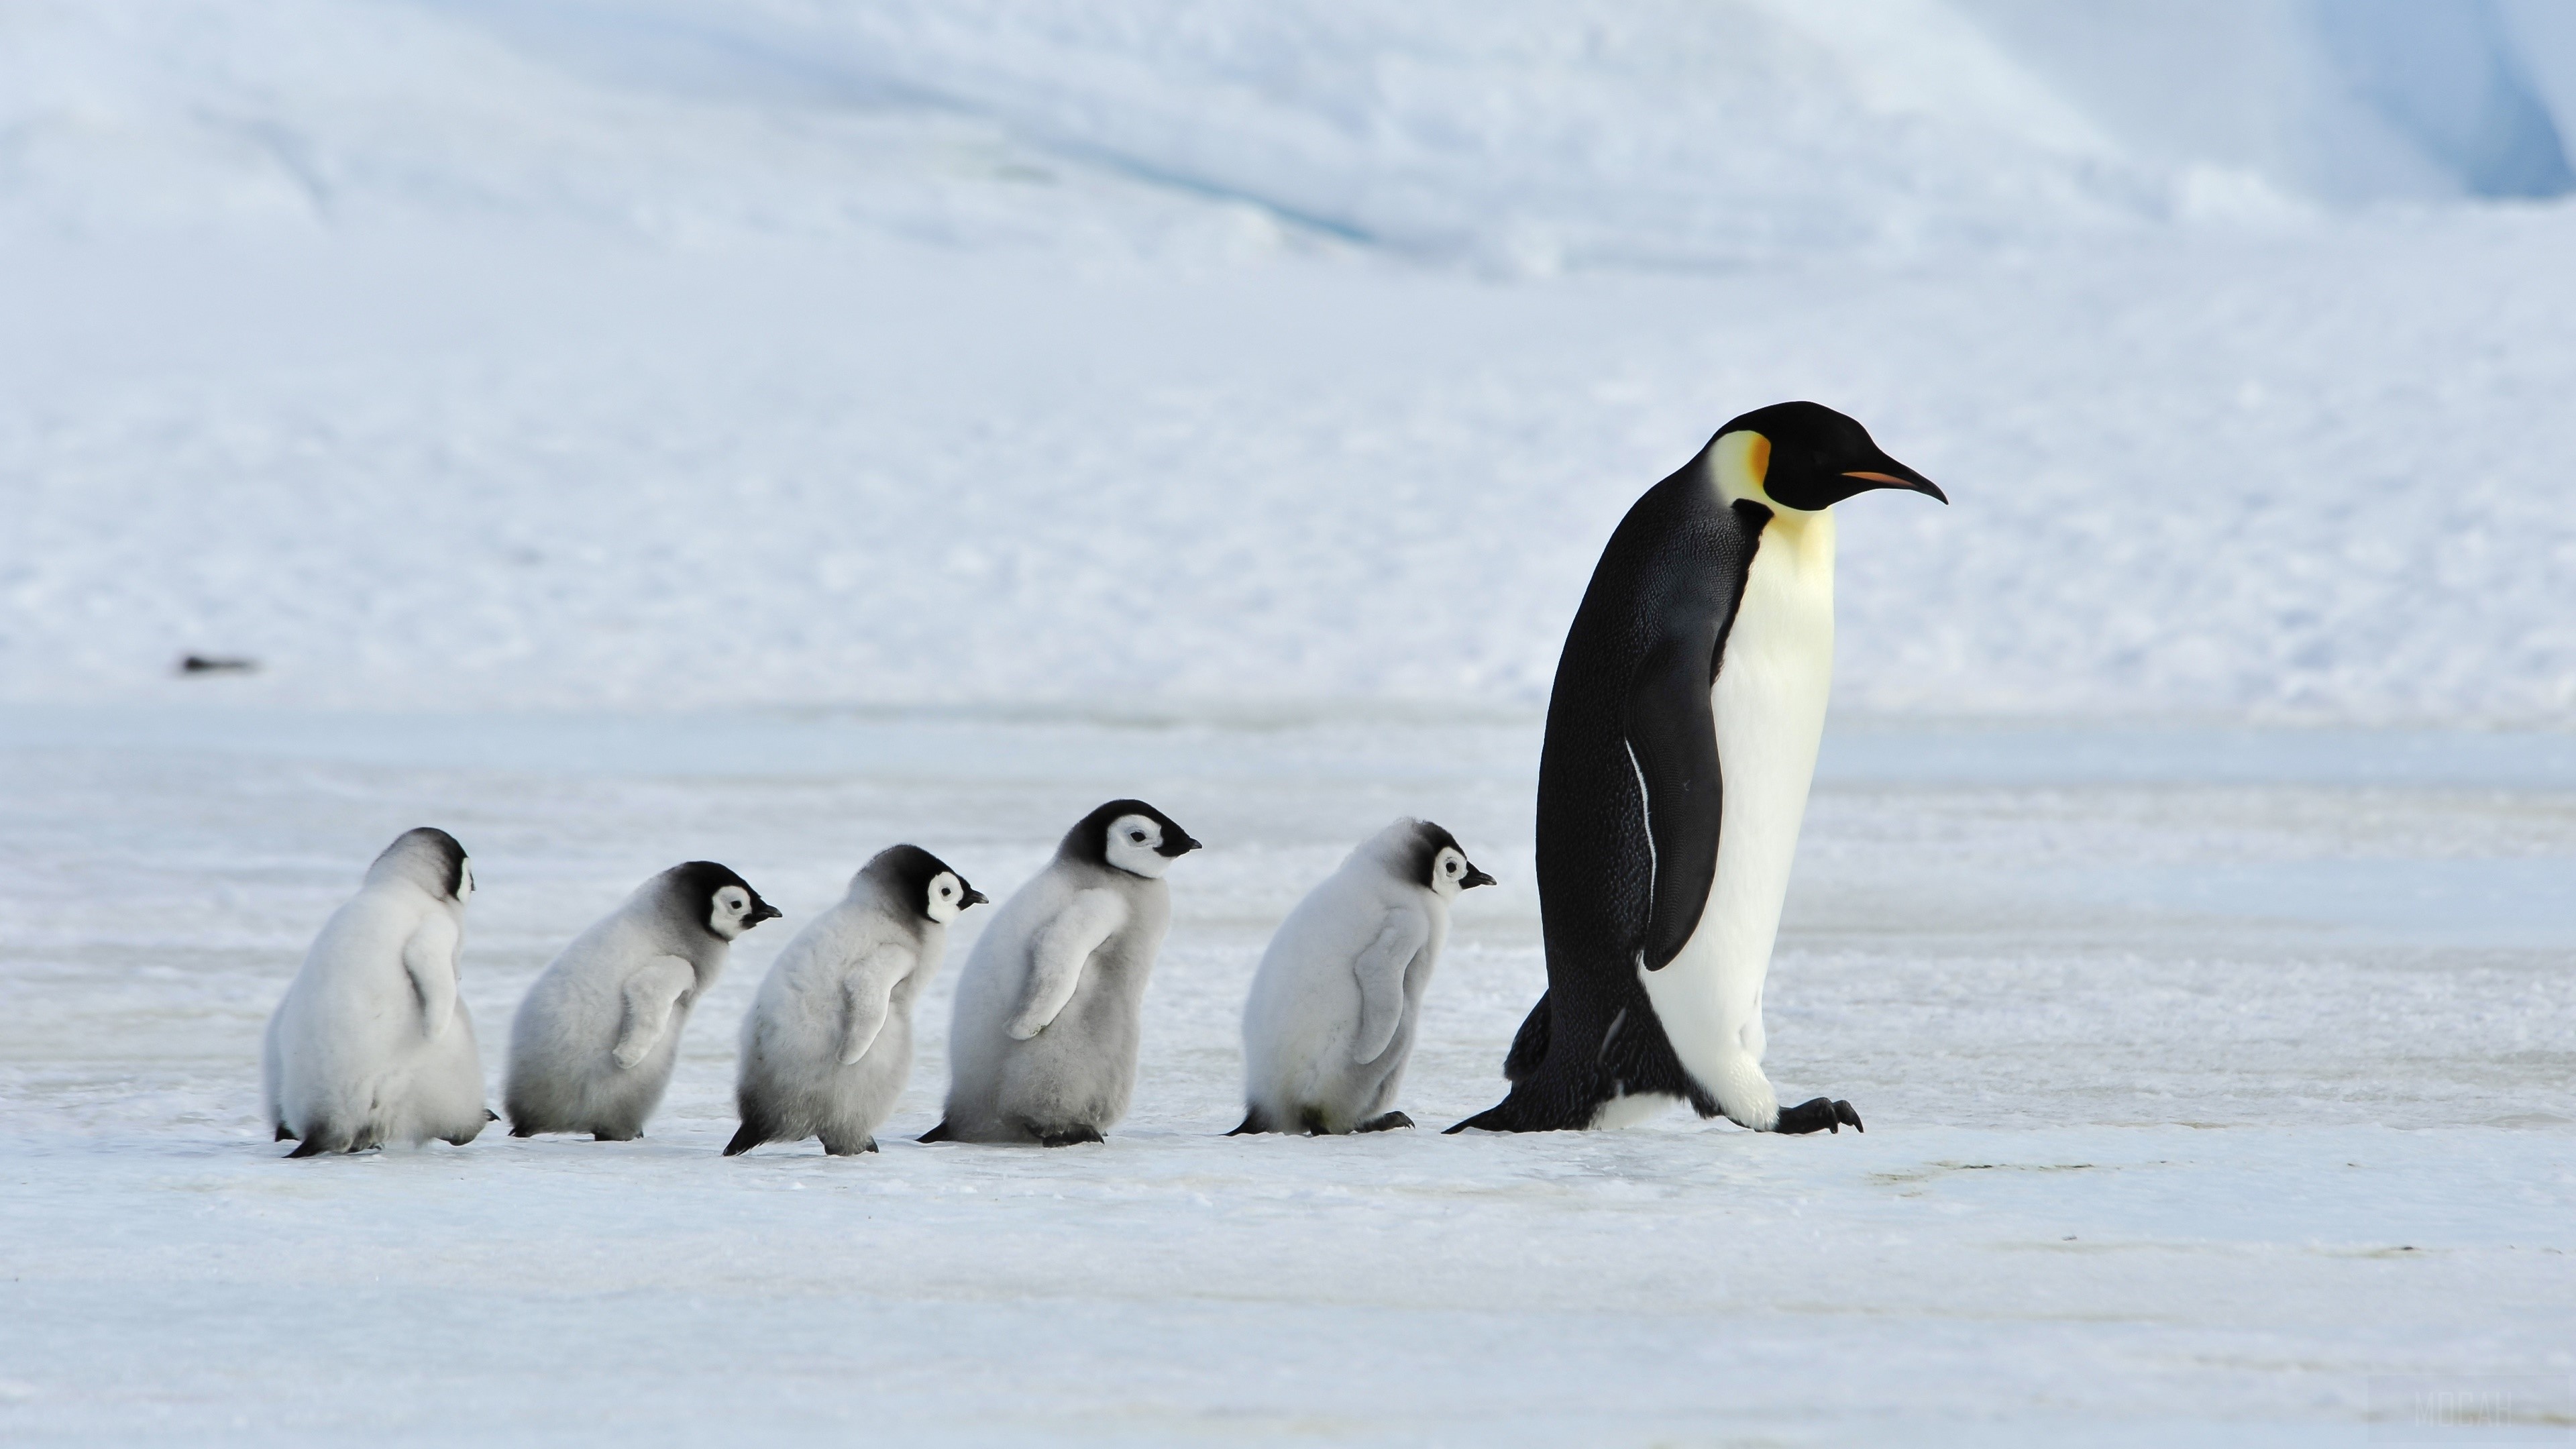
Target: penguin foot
<point x="309" y="1147"/>
<point x="282" y="1134"/>
<point x="1821" y="1114"/>
<point x="939" y="1133"/>
<point x="1071" y="1136"/>
<point x="1252" y="1122"/>
<point x="1387" y="1123"/>
<point x="745" y="1139"/>
<point x="844" y="1149"/>
<point x="598" y="1136"/>
<point x="491" y="1116"/>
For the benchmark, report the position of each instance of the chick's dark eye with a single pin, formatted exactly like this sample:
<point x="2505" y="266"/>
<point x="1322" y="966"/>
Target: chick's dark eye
<point x="1136" y="835"/>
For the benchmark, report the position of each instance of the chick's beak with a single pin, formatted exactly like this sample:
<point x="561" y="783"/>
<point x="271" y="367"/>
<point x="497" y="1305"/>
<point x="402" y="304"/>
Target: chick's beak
<point x="1178" y="844"/>
<point x="973" y="897"/>
<point x="761" y="911"/>
<point x="1473" y="878"/>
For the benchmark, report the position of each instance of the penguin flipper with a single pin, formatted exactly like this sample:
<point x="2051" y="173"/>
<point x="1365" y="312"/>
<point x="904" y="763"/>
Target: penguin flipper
<point x="1671" y="730"/>
<point x="1252" y="1122"/>
<point x="1380" y="971"/>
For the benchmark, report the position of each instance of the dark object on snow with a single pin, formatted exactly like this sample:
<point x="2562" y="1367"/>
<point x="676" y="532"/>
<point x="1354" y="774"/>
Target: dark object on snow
<point x="211" y="664"/>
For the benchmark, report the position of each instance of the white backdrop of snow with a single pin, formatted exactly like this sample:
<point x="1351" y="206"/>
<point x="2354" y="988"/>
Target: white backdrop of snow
<point x="1146" y="355"/>
<point x="1286" y="364"/>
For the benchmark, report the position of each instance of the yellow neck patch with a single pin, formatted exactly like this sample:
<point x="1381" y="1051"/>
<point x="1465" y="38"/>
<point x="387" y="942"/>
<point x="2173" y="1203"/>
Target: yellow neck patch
<point x="1741" y="461"/>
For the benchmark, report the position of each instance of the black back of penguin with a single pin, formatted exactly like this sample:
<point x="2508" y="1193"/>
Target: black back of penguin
<point x="1654" y="618"/>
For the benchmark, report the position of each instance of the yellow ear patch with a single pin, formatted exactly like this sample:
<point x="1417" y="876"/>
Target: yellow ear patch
<point x="1739" y="461"/>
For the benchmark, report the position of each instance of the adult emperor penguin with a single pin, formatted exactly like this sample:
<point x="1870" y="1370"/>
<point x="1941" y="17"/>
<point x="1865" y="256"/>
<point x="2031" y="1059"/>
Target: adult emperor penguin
<point x="1681" y="737"/>
<point x="372" y="1043"/>
<point x="1042" y="1044"/>
<point x="1331" y="1017"/>
<point x="593" y="1045"/>
<point x="827" y="1045"/>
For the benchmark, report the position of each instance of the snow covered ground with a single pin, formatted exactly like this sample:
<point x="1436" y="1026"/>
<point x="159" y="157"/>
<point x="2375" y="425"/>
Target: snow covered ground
<point x="2210" y="1074"/>
<point x="765" y="430"/>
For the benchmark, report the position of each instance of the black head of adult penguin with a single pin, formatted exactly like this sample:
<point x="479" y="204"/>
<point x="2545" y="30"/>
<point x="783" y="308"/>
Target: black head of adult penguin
<point x="1808" y="457"/>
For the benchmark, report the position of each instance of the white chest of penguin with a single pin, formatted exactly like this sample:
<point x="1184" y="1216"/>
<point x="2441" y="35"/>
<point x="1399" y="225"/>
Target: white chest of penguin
<point x="1773" y="680"/>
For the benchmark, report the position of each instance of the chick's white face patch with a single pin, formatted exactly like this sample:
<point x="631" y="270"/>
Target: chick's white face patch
<point x="464" y="881"/>
<point x="1135" y="846"/>
<point x="947" y="893"/>
<point x="1448" y="871"/>
<point x="731" y="905"/>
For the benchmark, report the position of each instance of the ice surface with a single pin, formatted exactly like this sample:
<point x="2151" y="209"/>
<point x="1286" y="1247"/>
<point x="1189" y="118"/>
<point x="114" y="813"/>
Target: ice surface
<point x="2166" y="1139"/>
<point x="765" y="430"/>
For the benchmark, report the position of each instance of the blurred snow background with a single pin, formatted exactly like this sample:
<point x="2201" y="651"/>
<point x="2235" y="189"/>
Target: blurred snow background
<point x="470" y="354"/>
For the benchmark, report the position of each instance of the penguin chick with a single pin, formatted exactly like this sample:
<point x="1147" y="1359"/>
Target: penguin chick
<point x="1042" y="1044"/>
<point x="372" y="1044"/>
<point x="1334" y="1005"/>
<point x="827" y="1045"/>
<point x="593" y="1045"/>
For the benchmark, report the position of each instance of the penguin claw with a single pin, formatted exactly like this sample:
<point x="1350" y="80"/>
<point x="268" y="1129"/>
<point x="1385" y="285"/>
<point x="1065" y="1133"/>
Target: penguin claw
<point x="1386" y="1123"/>
<point x="1820" y="1114"/>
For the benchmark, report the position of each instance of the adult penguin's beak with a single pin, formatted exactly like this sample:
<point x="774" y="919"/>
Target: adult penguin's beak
<point x="1885" y="472"/>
